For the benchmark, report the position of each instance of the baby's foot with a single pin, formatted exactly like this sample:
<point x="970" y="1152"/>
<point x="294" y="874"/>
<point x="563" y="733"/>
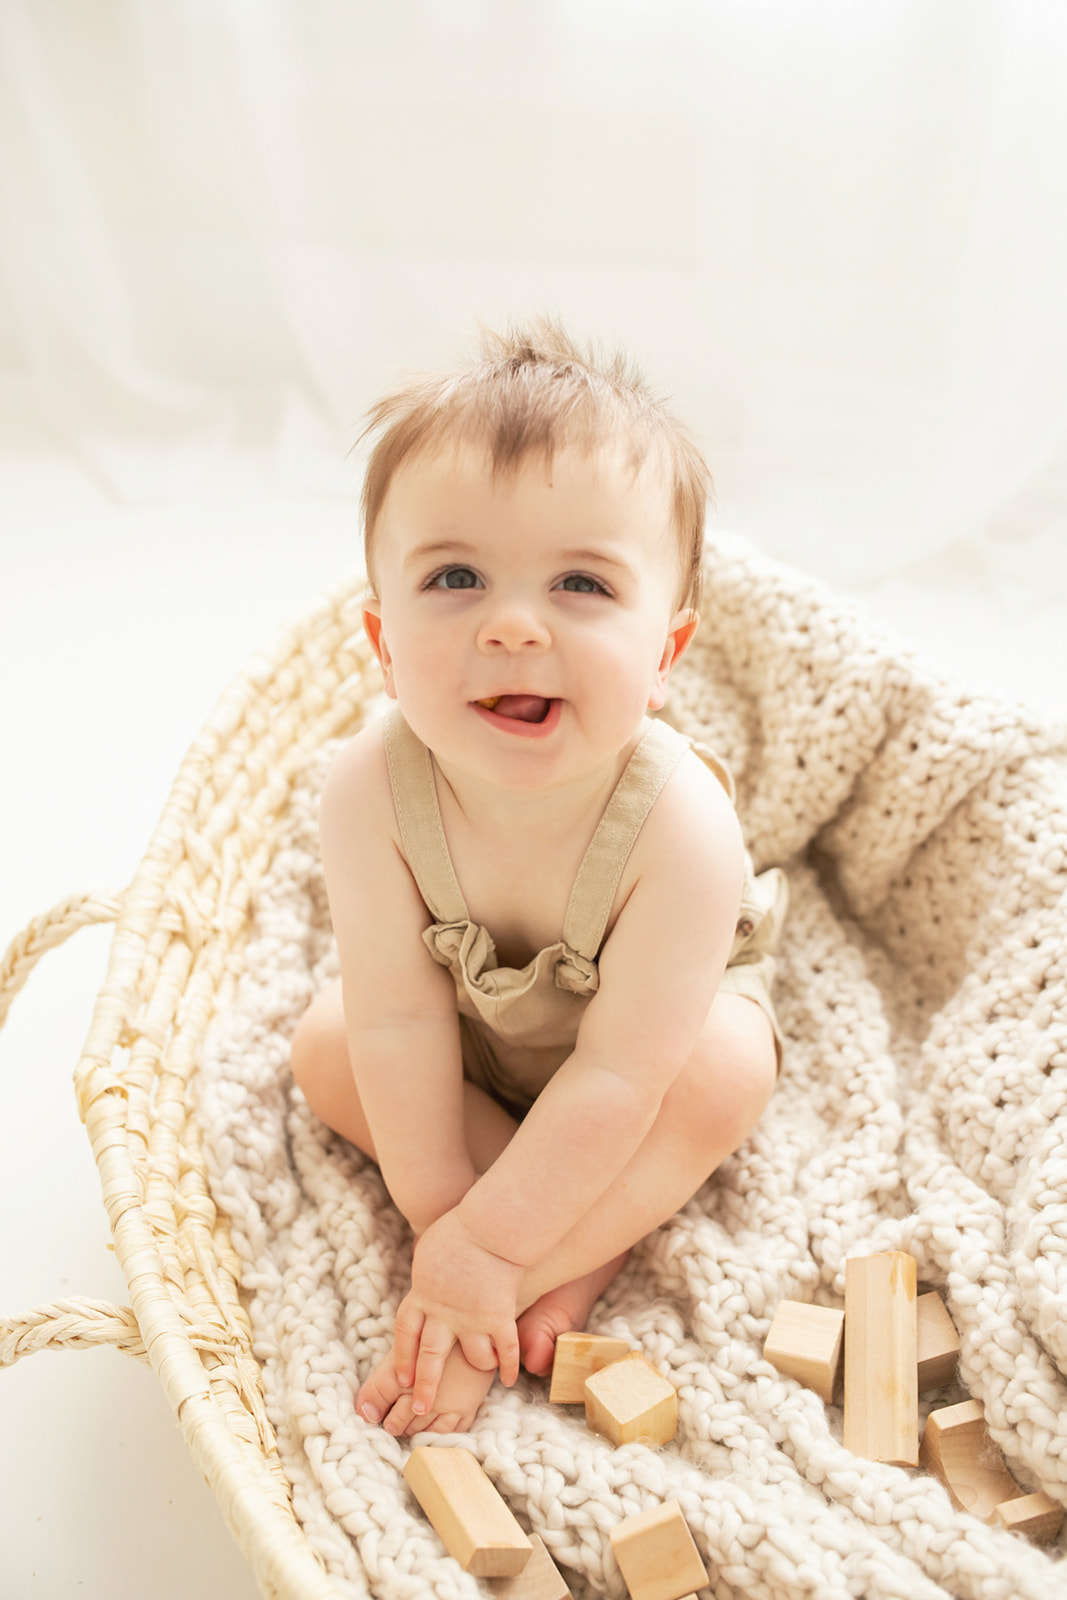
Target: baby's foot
<point x="459" y="1394"/>
<point x="381" y="1391"/>
<point x="558" y="1312"/>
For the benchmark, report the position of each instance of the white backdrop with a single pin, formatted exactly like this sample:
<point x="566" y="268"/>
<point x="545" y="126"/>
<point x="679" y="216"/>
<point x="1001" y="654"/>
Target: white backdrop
<point x="834" y="230"/>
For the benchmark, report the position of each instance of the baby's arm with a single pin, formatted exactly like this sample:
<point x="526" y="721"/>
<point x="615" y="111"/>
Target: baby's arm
<point x="400" y="1006"/>
<point x="402" y="1027"/>
<point x="659" y="971"/>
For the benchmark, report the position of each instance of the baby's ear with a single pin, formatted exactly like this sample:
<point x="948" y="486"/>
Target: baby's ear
<point x="683" y="625"/>
<point x="372" y="625"/>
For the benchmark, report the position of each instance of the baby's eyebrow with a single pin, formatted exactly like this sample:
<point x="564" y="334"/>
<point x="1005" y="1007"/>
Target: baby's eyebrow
<point x="595" y="558"/>
<point x="437" y="547"/>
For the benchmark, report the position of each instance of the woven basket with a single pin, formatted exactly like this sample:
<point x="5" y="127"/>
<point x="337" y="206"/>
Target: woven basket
<point x="937" y="796"/>
<point x="180" y="928"/>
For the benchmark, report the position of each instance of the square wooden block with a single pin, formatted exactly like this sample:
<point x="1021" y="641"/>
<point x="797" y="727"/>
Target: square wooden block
<point x="630" y="1401"/>
<point x="937" y="1342"/>
<point x="578" y="1356"/>
<point x="806" y="1342"/>
<point x="657" y="1555"/>
<point x="470" y="1518"/>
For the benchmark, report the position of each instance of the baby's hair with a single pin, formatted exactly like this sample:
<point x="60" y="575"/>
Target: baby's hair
<point x="534" y="390"/>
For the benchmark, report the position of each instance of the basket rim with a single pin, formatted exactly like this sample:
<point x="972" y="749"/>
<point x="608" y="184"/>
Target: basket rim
<point x="114" y="1096"/>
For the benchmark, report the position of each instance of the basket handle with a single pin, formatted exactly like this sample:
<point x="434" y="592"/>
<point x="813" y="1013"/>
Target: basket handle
<point x="47" y="932"/>
<point x="71" y="1324"/>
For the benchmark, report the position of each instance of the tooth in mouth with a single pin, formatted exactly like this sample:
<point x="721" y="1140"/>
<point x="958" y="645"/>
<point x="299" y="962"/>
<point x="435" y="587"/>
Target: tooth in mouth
<point x="491" y="702"/>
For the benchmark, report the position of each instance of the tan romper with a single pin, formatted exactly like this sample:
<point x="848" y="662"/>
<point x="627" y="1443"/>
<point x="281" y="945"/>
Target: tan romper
<point x="540" y="1007"/>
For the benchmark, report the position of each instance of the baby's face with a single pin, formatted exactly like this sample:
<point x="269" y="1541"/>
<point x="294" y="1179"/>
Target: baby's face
<point x="526" y="622"/>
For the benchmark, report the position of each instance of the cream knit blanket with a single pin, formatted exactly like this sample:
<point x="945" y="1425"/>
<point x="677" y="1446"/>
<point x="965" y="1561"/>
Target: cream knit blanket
<point x="922" y="1107"/>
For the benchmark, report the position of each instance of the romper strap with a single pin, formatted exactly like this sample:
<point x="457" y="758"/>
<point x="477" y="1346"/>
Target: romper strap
<point x="419" y="817"/>
<point x="598" y="877"/>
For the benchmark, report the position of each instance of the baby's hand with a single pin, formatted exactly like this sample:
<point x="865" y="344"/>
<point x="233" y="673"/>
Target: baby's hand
<point x="461" y="1293"/>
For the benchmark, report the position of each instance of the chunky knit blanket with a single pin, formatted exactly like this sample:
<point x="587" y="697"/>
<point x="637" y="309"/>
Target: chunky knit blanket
<point x="922" y="1106"/>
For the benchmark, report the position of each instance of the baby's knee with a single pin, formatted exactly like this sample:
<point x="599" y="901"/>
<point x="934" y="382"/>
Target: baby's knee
<point x="319" y="1047"/>
<point x="733" y="1070"/>
<point x="322" y="1068"/>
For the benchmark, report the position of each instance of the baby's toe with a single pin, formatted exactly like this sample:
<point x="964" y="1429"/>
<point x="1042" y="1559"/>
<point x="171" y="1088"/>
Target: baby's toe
<point x="448" y="1422"/>
<point x="537" y="1336"/>
<point x="400" y="1416"/>
<point x="378" y="1395"/>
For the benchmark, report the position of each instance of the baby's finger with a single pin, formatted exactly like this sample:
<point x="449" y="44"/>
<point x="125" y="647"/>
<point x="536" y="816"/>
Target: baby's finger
<point x="437" y="1340"/>
<point x="506" y="1341"/>
<point x="478" y="1350"/>
<point x="406" y="1337"/>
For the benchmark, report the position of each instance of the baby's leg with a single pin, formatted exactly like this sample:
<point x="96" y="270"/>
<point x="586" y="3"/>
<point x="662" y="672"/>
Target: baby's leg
<point x="559" y="1310"/>
<point x="320" y="1064"/>
<point x="710" y="1110"/>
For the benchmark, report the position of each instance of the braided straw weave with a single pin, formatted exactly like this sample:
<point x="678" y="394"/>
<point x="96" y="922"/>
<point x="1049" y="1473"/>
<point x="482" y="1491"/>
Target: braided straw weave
<point x="180" y="929"/>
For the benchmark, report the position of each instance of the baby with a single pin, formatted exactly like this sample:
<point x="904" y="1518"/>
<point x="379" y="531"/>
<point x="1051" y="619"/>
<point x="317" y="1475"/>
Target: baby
<point x="554" y="1017"/>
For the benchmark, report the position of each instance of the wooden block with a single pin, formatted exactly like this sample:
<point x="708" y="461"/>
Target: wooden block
<point x="1036" y="1515"/>
<point x="472" y="1521"/>
<point x="805" y="1342"/>
<point x="937" y="1342"/>
<point x="578" y="1356"/>
<point x="881" y="1367"/>
<point x="539" y="1579"/>
<point x="657" y="1555"/>
<point x="631" y="1401"/>
<point x="957" y="1449"/>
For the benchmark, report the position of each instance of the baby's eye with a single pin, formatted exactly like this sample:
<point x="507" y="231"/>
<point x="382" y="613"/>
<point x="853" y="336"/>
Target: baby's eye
<point x="582" y="583"/>
<point x="454" y="578"/>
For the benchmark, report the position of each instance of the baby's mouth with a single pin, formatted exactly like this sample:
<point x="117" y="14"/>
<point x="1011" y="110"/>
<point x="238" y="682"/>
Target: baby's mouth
<point x="519" y="707"/>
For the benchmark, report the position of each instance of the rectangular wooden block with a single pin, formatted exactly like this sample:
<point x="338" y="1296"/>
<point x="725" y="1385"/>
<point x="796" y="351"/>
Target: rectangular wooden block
<point x="578" y="1356"/>
<point x="472" y="1521"/>
<point x="657" y="1555"/>
<point x="957" y="1449"/>
<point x="938" y="1343"/>
<point x="630" y="1401"/>
<point x="881" y="1364"/>
<point x="805" y="1342"/>
<point x="540" y="1579"/>
<point x="1037" y="1515"/>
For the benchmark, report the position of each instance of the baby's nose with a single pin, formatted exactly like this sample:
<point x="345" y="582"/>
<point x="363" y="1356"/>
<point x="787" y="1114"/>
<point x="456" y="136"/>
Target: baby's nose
<point x="513" y="624"/>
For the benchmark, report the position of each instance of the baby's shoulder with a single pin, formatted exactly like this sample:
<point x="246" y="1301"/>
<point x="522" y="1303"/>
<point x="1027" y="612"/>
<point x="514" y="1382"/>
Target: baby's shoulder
<point x="694" y="818"/>
<point x="700" y="786"/>
<point x="356" y="794"/>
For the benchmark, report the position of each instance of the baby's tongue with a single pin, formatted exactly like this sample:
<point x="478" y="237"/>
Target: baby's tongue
<point x="522" y="707"/>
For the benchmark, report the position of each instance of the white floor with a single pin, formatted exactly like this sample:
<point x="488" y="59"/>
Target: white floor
<point x="118" y="630"/>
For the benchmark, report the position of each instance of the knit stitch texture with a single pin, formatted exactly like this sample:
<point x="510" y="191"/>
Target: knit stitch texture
<point x="922" y="1106"/>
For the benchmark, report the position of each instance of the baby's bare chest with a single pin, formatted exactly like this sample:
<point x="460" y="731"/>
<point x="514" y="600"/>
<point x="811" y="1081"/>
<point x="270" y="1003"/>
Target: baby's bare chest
<point x="520" y="895"/>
